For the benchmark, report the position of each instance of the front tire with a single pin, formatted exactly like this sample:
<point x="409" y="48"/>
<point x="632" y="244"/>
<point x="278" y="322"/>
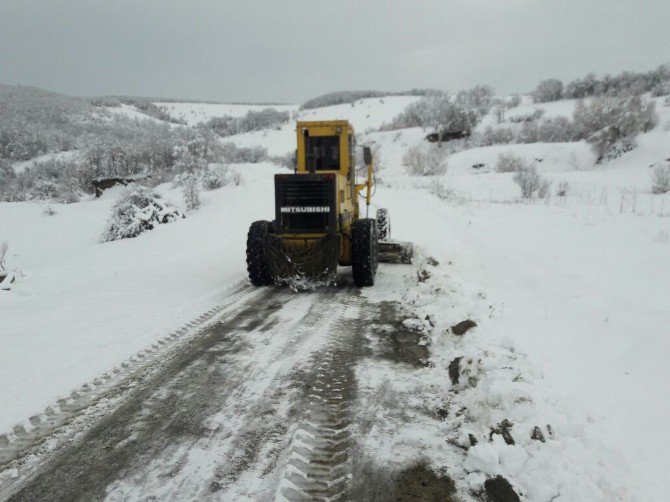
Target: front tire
<point x="364" y="254"/>
<point x="257" y="258"/>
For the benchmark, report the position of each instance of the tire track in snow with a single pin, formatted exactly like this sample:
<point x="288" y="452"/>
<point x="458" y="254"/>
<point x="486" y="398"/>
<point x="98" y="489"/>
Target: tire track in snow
<point x="260" y="429"/>
<point x="317" y="467"/>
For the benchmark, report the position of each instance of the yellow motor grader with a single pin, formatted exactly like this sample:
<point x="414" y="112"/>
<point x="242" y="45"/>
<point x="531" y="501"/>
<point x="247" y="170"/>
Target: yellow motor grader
<point x="318" y="223"/>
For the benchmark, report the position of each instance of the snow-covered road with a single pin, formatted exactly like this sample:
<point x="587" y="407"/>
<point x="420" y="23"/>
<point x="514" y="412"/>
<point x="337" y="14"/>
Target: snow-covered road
<point x="261" y="405"/>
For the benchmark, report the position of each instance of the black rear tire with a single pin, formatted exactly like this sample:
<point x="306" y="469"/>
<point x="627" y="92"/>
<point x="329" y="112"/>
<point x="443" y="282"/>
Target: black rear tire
<point x="257" y="259"/>
<point x="364" y="254"/>
<point x="383" y="224"/>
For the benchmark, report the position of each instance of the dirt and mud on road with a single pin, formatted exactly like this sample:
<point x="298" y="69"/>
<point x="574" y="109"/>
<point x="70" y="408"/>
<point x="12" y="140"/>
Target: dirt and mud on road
<point x="261" y="406"/>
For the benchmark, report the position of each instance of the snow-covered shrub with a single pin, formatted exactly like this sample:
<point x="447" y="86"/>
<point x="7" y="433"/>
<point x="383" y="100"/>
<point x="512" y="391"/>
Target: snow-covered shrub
<point x="497" y="136"/>
<point x="507" y="162"/>
<point x="340" y="97"/>
<point x="236" y="177"/>
<point x="343" y="97"/>
<point x="660" y="179"/>
<point x="44" y="189"/>
<point x="527" y="117"/>
<point x="8" y="182"/>
<point x="233" y="154"/>
<point x="441" y="112"/>
<point x="552" y="130"/>
<point x="661" y="89"/>
<point x="138" y="209"/>
<point x="424" y="160"/>
<point x="556" y="130"/>
<point x="191" y="191"/>
<point x="499" y="113"/>
<point x="215" y="176"/>
<point x="513" y="101"/>
<point x="623" y="83"/>
<point x="581" y="87"/>
<point x="479" y="98"/>
<point x="48" y="211"/>
<point x="544" y="190"/>
<point x="531" y="183"/>
<point x="268" y="118"/>
<point x="562" y="189"/>
<point x="442" y="191"/>
<point x="190" y="156"/>
<point x="609" y="144"/>
<point x="287" y="160"/>
<point x="3" y="252"/>
<point x="548" y="90"/>
<point x="147" y="107"/>
<point x="610" y="123"/>
<point x="106" y="101"/>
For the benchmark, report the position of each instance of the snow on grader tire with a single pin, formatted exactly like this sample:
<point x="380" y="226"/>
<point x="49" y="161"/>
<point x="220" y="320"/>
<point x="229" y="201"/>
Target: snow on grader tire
<point x="257" y="259"/>
<point x="383" y="225"/>
<point x="364" y="252"/>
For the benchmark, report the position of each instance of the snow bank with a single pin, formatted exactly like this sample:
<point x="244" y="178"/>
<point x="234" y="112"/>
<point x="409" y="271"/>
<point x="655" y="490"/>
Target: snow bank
<point x="481" y="408"/>
<point x="579" y="290"/>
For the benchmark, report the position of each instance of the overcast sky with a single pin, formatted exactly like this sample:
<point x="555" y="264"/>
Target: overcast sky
<point x="291" y="50"/>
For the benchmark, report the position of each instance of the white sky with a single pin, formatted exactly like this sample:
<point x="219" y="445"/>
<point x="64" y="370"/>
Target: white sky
<point x="291" y="50"/>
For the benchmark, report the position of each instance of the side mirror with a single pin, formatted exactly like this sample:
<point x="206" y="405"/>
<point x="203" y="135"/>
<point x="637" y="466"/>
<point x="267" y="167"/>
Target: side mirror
<point x="367" y="155"/>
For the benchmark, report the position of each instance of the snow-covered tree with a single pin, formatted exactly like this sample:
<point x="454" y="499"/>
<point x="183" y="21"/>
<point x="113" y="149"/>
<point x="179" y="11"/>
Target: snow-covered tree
<point x="231" y="153"/>
<point x="138" y="209"/>
<point x="424" y="160"/>
<point x="610" y="123"/>
<point x="7" y="180"/>
<point x="3" y="252"/>
<point x="479" y="98"/>
<point x="660" y="182"/>
<point x="215" y="176"/>
<point x="582" y="87"/>
<point x="548" y="90"/>
<point x="440" y="112"/>
<point x="531" y="183"/>
<point x="191" y="190"/>
<point x="508" y="162"/>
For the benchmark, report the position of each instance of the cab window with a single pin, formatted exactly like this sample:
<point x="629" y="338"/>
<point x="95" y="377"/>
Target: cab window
<point x="322" y="153"/>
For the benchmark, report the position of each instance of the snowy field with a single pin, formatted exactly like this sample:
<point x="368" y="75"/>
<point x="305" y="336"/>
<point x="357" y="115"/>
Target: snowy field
<point x="569" y="292"/>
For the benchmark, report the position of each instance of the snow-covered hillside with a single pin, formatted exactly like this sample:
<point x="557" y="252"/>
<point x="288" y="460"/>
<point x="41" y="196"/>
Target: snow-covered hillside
<point x="364" y="114"/>
<point x="194" y="113"/>
<point x="576" y="286"/>
<point x="131" y="112"/>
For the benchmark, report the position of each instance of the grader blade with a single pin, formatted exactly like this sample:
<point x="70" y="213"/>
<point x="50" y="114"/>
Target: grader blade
<point x="395" y="251"/>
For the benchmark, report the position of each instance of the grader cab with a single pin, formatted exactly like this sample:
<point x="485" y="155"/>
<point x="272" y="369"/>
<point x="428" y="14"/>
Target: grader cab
<point x="318" y="223"/>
